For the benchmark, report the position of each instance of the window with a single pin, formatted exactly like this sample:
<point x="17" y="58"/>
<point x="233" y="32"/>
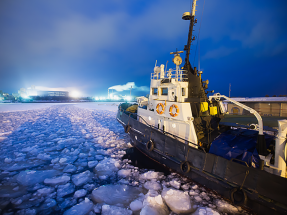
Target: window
<point x="154" y="91"/>
<point x="183" y="91"/>
<point x="164" y="91"/>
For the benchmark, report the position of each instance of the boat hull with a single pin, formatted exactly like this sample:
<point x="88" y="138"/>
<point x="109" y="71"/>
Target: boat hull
<point x="259" y="191"/>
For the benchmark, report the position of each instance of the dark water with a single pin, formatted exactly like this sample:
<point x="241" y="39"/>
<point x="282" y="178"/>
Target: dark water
<point x="143" y="162"/>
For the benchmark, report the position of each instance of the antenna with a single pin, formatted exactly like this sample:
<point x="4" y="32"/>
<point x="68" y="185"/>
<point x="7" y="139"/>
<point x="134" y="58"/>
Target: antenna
<point x="131" y="91"/>
<point x="188" y="16"/>
<point x="229" y="89"/>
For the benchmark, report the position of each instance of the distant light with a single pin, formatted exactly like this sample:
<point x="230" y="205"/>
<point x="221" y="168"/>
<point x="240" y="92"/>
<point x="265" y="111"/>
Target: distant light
<point x="116" y="97"/>
<point x="75" y="94"/>
<point x="128" y="98"/>
<point x="25" y="96"/>
<point x="149" y="118"/>
<point x="102" y="98"/>
<point x="97" y="98"/>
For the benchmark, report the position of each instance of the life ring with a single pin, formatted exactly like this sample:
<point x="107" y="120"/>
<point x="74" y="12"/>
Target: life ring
<point x="162" y="108"/>
<point x="238" y="196"/>
<point x="127" y="128"/>
<point x="185" y="166"/>
<point x="176" y="110"/>
<point x="150" y="145"/>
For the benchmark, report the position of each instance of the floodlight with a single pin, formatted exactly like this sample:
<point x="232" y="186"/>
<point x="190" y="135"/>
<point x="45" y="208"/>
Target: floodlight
<point x="75" y="94"/>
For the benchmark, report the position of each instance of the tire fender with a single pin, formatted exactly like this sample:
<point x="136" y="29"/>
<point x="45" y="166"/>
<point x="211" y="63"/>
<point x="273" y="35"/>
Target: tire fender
<point x="185" y="166"/>
<point x="239" y="192"/>
<point x="150" y="145"/>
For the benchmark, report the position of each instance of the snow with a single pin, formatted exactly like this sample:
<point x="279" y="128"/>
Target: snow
<point x="54" y="157"/>
<point x="9" y="107"/>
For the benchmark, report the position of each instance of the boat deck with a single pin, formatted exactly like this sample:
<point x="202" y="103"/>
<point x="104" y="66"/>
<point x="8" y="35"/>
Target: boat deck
<point x="269" y="122"/>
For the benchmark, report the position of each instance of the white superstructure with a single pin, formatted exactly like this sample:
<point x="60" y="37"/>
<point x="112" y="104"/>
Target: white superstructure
<point x="166" y="108"/>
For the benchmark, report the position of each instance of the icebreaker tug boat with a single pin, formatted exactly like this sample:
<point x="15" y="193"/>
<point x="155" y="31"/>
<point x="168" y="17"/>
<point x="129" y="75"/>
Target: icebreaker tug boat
<point x="183" y="129"/>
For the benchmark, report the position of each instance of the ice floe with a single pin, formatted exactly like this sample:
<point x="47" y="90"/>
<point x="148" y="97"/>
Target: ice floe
<point x="54" y="159"/>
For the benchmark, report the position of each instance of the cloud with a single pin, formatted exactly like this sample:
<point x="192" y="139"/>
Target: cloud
<point x="218" y="53"/>
<point x="128" y="86"/>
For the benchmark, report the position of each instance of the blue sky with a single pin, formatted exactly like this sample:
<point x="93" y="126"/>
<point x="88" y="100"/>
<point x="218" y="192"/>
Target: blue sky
<point x="92" y="45"/>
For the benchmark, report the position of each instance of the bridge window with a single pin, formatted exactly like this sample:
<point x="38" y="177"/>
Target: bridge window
<point x="164" y="91"/>
<point x="154" y="91"/>
<point x="183" y="91"/>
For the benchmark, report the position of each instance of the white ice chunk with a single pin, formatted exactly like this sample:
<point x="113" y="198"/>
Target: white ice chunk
<point x="152" y="185"/>
<point x="99" y="157"/>
<point x="26" y="212"/>
<point x="57" y="181"/>
<point x="153" y="204"/>
<point x="97" y="208"/>
<point x="136" y="205"/>
<point x="44" y="157"/>
<point x="107" y="167"/>
<point x="63" y="160"/>
<point x="92" y="164"/>
<point x="114" y="210"/>
<point x="194" y="187"/>
<point x="116" y="194"/>
<point x="80" y="193"/>
<point x="205" y="211"/>
<point x="150" y="175"/>
<point x="225" y="207"/>
<point x="82" y="178"/>
<point x="175" y="183"/>
<point x="66" y="189"/>
<point x="123" y="173"/>
<point x="44" y="191"/>
<point x="7" y="160"/>
<point x="55" y="160"/>
<point x="28" y="178"/>
<point x="70" y="168"/>
<point x="198" y="198"/>
<point x="178" y="201"/>
<point x="48" y="203"/>
<point x="80" y="209"/>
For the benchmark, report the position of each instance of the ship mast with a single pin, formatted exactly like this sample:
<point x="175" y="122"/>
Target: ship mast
<point x="191" y="17"/>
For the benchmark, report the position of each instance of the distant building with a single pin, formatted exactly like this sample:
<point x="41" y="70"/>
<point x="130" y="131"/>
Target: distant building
<point x="52" y="93"/>
<point x="265" y="106"/>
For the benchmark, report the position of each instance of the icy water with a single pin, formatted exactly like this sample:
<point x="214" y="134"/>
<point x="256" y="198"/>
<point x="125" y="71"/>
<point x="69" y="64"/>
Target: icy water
<point x="71" y="159"/>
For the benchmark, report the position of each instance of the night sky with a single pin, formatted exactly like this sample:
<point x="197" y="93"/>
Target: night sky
<point x="92" y="45"/>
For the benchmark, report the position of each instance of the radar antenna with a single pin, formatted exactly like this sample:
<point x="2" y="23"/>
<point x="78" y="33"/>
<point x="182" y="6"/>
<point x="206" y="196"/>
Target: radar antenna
<point x="191" y="17"/>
